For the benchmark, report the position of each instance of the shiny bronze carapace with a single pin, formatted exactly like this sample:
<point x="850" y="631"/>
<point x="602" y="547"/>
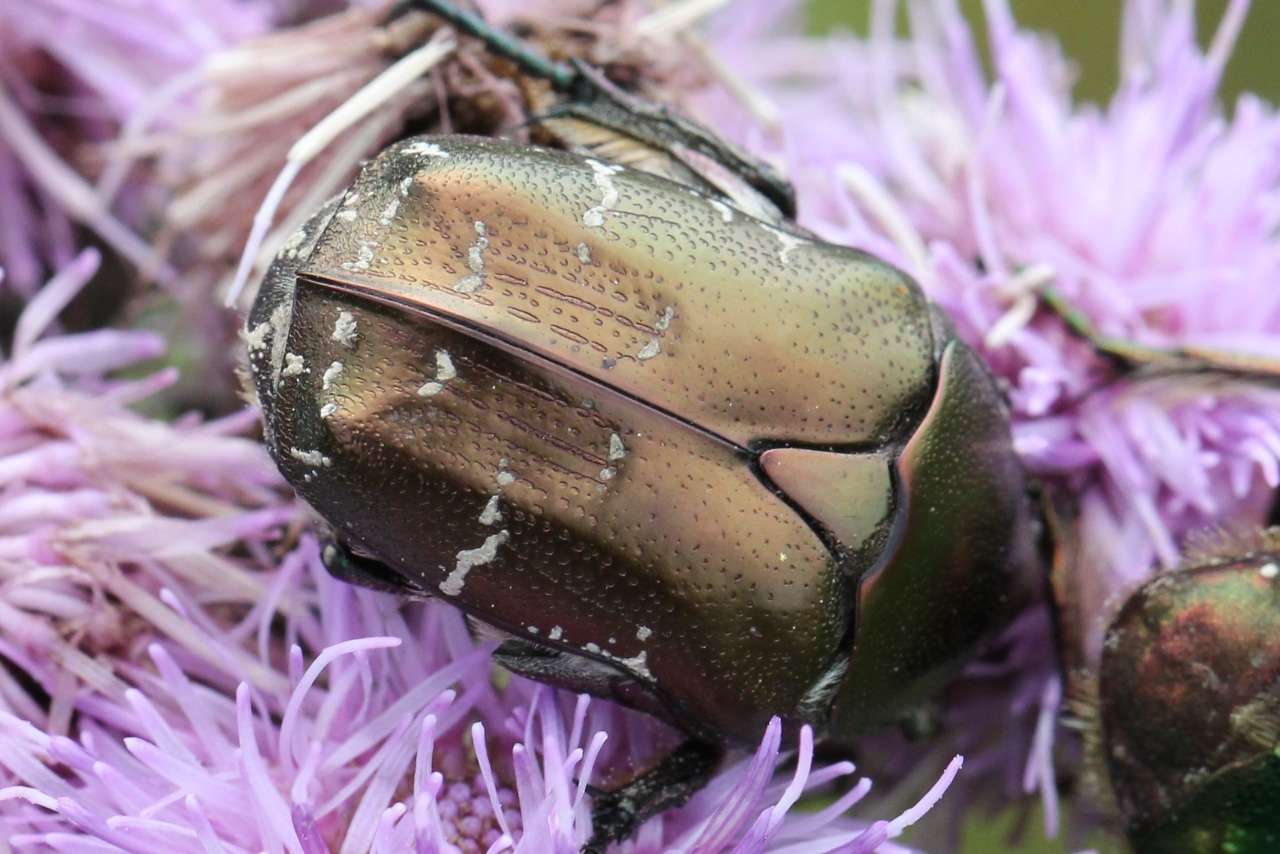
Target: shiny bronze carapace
<point x="688" y="460"/>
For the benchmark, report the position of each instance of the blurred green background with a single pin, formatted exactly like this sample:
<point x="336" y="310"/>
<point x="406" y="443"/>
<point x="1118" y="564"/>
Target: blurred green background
<point x="1090" y="34"/>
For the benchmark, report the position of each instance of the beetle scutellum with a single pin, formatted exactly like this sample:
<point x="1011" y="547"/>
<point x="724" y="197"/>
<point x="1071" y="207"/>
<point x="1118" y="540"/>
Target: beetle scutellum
<point x="685" y="457"/>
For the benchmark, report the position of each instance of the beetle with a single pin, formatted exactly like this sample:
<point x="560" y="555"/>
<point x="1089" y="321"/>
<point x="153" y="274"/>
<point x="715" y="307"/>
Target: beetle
<point x="1196" y="651"/>
<point x="680" y="453"/>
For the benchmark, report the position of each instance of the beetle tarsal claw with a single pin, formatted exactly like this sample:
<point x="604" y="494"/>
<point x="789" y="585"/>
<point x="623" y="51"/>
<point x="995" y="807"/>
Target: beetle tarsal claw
<point x="615" y="813"/>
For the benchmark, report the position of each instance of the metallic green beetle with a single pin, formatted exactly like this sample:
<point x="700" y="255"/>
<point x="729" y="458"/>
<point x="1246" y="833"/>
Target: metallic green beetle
<point x="684" y="457"/>
<point x="694" y="462"/>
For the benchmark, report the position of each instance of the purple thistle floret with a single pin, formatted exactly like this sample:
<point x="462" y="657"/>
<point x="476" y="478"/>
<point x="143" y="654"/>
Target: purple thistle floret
<point x="72" y="74"/>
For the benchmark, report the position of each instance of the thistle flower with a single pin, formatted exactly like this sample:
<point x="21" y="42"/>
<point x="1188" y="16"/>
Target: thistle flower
<point x="180" y="668"/>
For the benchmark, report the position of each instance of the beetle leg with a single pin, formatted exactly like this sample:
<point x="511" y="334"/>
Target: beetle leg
<point x="555" y="667"/>
<point x="616" y="813"/>
<point x="1130" y="356"/>
<point x="592" y="98"/>
<point x="584" y="675"/>
<point x="346" y="565"/>
<point x="597" y="100"/>
<point x="531" y="62"/>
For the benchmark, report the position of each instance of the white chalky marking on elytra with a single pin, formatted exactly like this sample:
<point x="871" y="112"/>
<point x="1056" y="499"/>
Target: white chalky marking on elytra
<point x="556" y="633"/>
<point x="389" y="212"/>
<point x="469" y="559"/>
<point x="424" y="149"/>
<point x="281" y="316"/>
<point x="311" y="458"/>
<point x="644" y="633"/>
<point x="607" y="474"/>
<point x="328" y="409"/>
<point x="491" y="515"/>
<point x="344" y="330"/>
<point x="664" y="319"/>
<point x="533" y="630"/>
<point x="638" y="665"/>
<point x="405" y="185"/>
<point x="347" y="215"/>
<point x="279" y="320"/>
<point x="726" y="212"/>
<point x="1269" y="571"/>
<point x="474" y="280"/>
<point x="256" y="337"/>
<point x="505" y="478"/>
<point x="364" y="258"/>
<point x="617" y="450"/>
<point x="789" y="244"/>
<point x="445" y="369"/>
<point x="294" y="243"/>
<point x="584" y="253"/>
<point x="648" y="351"/>
<point x="602" y="174"/>
<point x="293" y="365"/>
<point x="330" y="374"/>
